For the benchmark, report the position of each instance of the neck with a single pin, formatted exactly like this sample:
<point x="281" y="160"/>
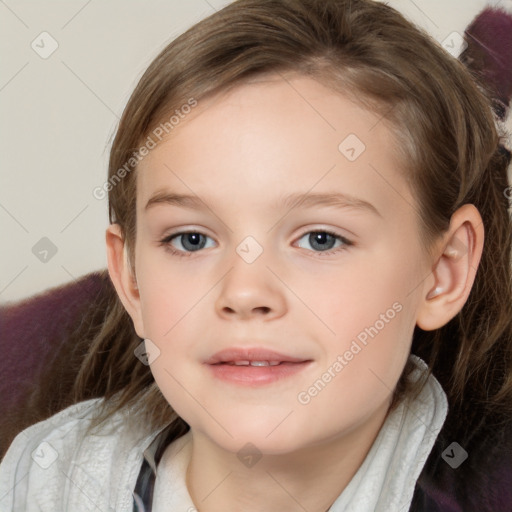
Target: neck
<point x="310" y="478"/>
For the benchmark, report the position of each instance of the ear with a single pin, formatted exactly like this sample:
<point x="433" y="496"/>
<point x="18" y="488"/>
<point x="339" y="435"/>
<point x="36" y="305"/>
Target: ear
<point x="122" y="275"/>
<point x="454" y="271"/>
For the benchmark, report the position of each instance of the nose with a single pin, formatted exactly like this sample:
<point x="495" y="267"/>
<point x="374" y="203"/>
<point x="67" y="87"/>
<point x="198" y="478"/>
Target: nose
<point x="250" y="290"/>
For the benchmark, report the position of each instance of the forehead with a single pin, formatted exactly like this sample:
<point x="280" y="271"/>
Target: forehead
<point x="273" y="135"/>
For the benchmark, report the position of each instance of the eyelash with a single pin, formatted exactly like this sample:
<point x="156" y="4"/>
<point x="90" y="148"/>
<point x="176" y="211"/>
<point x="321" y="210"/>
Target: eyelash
<point x="166" y="242"/>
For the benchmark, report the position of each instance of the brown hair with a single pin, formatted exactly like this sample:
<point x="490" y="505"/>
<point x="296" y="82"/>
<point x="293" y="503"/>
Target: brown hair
<point x="447" y="141"/>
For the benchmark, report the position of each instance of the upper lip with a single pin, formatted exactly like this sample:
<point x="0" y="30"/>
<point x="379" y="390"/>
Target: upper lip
<point x="251" y="354"/>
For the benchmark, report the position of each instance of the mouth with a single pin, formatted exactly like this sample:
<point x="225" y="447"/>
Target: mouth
<point x="255" y="367"/>
<point x="255" y="363"/>
<point x="253" y="357"/>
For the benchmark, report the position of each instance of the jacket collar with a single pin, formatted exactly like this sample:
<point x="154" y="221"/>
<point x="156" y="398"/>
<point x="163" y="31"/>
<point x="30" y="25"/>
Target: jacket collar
<point x="143" y="492"/>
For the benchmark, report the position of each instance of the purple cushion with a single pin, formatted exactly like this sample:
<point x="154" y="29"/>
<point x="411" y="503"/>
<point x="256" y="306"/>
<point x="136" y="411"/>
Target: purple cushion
<point x="32" y="331"/>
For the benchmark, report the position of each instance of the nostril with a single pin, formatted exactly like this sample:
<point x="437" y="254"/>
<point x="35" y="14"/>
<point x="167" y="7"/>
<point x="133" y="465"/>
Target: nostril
<point x="260" y="309"/>
<point x="263" y="309"/>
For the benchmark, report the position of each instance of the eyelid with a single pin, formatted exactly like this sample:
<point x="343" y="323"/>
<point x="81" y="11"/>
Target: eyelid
<point x="331" y="231"/>
<point x="184" y="231"/>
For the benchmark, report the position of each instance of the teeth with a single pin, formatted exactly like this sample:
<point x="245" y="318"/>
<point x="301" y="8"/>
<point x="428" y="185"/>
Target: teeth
<point x="254" y="363"/>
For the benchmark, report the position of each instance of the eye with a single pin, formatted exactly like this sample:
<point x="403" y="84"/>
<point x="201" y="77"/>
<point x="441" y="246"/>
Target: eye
<point x="324" y="242"/>
<point x="187" y="242"/>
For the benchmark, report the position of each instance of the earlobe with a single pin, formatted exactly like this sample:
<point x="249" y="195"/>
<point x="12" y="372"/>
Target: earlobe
<point x="122" y="276"/>
<point x="454" y="271"/>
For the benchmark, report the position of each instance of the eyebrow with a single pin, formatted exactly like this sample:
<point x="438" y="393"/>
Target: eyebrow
<point x="302" y="200"/>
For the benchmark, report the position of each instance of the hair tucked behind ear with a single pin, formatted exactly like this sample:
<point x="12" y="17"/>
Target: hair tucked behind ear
<point x="446" y="139"/>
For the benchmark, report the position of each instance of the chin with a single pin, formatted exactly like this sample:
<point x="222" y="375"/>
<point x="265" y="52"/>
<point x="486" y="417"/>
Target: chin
<point x="268" y="437"/>
<point x="257" y="444"/>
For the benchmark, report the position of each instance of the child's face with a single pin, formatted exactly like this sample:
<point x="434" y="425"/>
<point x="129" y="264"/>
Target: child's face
<point x="350" y="313"/>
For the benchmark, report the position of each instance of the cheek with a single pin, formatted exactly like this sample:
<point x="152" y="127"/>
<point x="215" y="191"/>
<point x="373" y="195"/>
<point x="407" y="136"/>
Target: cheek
<point x="368" y="316"/>
<point x="347" y="298"/>
<point x="168" y="294"/>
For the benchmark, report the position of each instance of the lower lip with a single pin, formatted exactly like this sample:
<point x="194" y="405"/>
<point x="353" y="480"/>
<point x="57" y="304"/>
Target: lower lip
<point x="256" y="375"/>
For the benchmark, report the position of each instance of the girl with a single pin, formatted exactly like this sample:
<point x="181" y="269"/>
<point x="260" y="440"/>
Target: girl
<point x="306" y="316"/>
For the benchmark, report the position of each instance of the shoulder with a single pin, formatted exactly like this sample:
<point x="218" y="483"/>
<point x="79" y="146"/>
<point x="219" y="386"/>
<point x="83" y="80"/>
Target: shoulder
<point x="51" y="465"/>
<point x="469" y="474"/>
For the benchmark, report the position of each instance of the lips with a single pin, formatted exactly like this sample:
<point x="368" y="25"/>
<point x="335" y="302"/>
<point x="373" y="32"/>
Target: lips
<point x="255" y="367"/>
<point x="252" y="357"/>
